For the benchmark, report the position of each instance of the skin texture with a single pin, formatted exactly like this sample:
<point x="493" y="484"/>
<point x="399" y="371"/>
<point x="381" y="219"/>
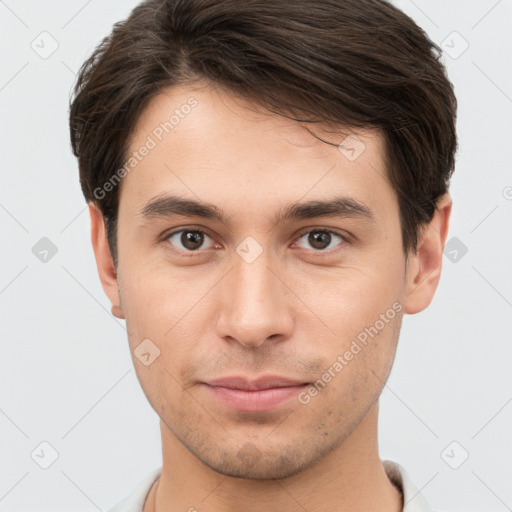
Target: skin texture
<point x="291" y="312"/>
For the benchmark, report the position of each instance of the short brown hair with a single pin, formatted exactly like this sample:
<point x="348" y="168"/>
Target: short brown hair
<point x="356" y="63"/>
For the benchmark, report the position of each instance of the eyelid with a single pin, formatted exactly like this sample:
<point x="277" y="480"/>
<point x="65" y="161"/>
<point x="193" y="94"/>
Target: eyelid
<point x="344" y="236"/>
<point x="168" y="234"/>
<point x="326" y="229"/>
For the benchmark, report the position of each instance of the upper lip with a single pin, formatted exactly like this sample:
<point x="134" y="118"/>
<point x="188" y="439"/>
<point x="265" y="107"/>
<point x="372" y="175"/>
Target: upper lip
<point x="263" y="382"/>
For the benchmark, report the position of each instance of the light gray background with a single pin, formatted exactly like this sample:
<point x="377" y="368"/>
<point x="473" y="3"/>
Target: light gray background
<point x="67" y="376"/>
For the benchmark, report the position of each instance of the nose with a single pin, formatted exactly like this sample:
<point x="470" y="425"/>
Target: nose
<point x="255" y="304"/>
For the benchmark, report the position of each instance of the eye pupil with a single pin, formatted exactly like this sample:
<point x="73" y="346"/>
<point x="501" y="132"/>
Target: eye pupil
<point x="319" y="239"/>
<point x="192" y="239"/>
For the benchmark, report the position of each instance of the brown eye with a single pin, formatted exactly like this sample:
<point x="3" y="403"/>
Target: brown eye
<point x="188" y="239"/>
<point x="319" y="239"/>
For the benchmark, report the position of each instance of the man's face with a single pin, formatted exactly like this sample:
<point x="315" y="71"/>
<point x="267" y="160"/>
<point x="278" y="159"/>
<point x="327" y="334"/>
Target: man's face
<point x="258" y="295"/>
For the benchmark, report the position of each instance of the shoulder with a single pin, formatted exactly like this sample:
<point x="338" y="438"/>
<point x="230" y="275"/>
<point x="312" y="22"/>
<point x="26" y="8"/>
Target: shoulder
<point x="413" y="499"/>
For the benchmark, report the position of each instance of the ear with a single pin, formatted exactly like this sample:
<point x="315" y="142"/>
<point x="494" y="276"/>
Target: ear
<point x="104" y="261"/>
<point x="424" y="267"/>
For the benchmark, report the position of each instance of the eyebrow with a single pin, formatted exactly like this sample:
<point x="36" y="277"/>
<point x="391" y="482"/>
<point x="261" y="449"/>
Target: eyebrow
<point x="169" y="205"/>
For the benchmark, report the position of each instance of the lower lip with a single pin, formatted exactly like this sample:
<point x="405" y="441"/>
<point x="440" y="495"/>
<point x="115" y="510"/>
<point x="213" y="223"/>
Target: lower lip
<point x="257" y="400"/>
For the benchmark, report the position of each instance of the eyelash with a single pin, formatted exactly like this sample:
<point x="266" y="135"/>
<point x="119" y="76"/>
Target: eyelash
<point x="344" y="239"/>
<point x="339" y="234"/>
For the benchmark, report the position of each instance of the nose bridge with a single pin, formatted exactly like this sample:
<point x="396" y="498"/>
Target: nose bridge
<point x="255" y="303"/>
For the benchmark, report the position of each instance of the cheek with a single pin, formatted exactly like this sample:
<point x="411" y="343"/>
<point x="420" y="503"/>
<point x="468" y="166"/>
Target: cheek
<point x="362" y="309"/>
<point x="355" y="372"/>
<point x="348" y="300"/>
<point x="155" y="298"/>
<point x="173" y="313"/>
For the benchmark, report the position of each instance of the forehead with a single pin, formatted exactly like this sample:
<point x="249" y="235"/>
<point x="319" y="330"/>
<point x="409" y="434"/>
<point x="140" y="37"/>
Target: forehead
<point x="210" y="143"/>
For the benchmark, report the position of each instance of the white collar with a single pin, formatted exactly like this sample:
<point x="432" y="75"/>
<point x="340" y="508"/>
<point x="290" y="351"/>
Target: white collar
<point x="413" y="500"/>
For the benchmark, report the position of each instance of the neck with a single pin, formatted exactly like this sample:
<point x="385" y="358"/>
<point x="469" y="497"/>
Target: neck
<point x="351" y="478"/>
